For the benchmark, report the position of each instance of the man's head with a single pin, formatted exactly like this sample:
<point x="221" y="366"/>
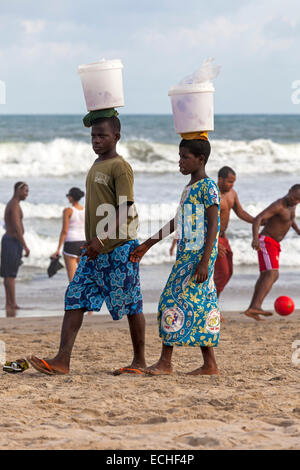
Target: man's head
<point x="105" y="134"/>
<point x="293" y="196"/>
<point x="21" y="190"/>
<point x="193" y="154"/>
<point x="226" y="179"/>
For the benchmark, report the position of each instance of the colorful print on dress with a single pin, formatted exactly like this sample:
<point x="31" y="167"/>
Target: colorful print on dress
<point x="188" y="312"/>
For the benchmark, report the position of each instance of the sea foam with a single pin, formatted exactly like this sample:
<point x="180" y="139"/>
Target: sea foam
<point x="63" y="157"/>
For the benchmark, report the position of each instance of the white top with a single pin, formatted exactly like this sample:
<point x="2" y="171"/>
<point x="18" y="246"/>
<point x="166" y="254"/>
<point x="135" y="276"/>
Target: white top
<point x="101" y="65"/>
<point x="76" y="230"/>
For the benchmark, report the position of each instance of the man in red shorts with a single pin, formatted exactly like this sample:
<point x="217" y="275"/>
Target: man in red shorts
<point x="229" y="200"/>
<point x="278" y="218"/>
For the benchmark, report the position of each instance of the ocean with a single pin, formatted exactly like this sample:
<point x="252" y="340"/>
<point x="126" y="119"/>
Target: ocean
<point x="53" y="153"/>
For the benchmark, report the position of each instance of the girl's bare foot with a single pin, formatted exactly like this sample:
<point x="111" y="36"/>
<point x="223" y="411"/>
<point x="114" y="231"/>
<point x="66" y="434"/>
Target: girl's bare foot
<point x="160" y="368"/>
<point x="205" y="370"/>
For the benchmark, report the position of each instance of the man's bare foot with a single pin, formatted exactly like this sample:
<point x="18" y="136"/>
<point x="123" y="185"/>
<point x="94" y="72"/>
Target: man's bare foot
<point x="11" y="312"/>
<point x="160" y="368"/>
<point x="260" y="311"/>
<point x="12" y="306"/>
<point x="253" y="315"/>
<point x="205" y="370"/>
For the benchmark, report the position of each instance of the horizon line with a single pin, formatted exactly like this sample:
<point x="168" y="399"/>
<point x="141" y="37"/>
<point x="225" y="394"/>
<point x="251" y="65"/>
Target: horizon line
<point x="152" y="114"/>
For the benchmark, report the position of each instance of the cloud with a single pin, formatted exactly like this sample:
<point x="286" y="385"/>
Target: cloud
<point x="254" y="28"/>
<point x="255" y="41"/>
<point x="33" y="26"/>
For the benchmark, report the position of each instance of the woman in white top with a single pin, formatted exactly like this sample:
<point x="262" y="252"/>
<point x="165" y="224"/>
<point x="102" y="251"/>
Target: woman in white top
<point x="72" y="235"/>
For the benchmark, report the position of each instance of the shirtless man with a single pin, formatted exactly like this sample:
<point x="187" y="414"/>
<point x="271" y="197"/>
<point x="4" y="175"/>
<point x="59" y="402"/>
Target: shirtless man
<point x="278" y="218"/>
<point x="229" y="200"/>
<point x="12" y="244"/>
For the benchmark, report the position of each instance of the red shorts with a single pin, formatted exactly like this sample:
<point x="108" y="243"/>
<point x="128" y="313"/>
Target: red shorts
<point x="268" y="255"/>
<point x="223" y="266"/>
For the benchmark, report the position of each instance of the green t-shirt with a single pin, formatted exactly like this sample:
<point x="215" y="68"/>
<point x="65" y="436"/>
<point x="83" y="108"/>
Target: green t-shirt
<point x="109" y="183"/>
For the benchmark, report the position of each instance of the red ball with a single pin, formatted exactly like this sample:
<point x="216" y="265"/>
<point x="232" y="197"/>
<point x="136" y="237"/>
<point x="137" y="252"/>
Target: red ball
<point x="284" y="305"/>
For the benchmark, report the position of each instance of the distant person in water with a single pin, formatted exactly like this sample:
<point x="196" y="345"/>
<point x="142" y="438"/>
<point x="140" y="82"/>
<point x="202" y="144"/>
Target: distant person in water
<point x="72" y="235"/>
<point x="278" y="218"/>
<point x="13" y="244"/>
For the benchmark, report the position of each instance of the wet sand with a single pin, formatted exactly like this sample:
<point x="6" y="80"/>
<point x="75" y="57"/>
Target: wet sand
<point x="253" y="404"/>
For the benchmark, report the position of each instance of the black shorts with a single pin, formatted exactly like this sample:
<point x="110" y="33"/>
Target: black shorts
<point x="73" y="248"/>
<point x="11" y="254"/>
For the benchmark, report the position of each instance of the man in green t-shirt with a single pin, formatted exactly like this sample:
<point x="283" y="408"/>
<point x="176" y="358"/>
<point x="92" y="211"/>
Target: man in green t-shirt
<point x="105" y="272"/>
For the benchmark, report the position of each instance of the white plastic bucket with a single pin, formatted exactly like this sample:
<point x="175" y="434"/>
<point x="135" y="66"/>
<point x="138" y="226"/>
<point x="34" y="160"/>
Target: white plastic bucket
<point x="193" y="107"/>
<point x="102" y="84"/>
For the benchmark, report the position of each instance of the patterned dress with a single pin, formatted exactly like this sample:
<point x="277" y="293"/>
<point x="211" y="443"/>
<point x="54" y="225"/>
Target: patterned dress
<point x="188" y="312"/>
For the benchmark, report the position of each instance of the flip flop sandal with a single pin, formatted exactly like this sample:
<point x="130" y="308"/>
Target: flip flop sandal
<point x="127" y="370"/>
<point x="14" y="367"/>
<point x="41" y="366"/>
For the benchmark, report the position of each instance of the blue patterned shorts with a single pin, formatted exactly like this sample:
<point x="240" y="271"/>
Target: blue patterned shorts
<point x="112" y="278"/>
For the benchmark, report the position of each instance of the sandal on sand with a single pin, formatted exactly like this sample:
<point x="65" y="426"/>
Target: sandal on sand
<point x="16" y="366"/>
<point x="156" y="372"/>
<point x="41" y="365"/>
<point x="128" y="370"/>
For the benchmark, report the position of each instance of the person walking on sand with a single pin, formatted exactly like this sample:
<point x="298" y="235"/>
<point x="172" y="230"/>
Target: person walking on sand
<point x="278" y="218"/>
<point x="105" y="272"/>
<point x="188" y="311"/>
<point x="229" y="201"/>
<point x="13" y="244"/>
<point x="72" y="236"/>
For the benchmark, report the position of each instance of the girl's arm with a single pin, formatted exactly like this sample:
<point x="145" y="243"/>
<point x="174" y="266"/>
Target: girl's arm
<point x="201" y="272"/>
<point x="65" y="226"/>
<point x="140" y="251"/>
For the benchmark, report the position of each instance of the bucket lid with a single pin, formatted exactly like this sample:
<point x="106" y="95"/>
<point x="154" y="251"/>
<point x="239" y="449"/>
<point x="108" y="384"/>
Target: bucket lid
<point x="101" y="65"/>
<point x="191" y="88"/>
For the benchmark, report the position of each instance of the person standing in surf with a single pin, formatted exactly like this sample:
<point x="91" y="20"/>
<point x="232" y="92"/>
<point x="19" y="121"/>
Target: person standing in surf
<point x="13" y="244"/>
<point x="72" y="235"/>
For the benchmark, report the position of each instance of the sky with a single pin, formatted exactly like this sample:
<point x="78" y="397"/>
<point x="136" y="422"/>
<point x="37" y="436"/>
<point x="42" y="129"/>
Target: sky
<point x="256" y="43"/>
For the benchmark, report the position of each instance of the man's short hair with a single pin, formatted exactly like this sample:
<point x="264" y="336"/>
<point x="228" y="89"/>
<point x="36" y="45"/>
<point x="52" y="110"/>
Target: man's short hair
<point x="225" y="171"/>
<point x="296" y="187"/>
<point x="197" y="147"/>
<point x="19" y="185"/>
<point x="113" y="121"/>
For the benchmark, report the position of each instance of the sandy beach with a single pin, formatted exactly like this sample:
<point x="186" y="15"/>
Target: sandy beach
<point x="253" y="404"/>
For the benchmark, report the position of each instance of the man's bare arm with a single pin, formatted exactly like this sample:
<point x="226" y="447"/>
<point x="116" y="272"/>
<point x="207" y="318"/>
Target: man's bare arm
<point x="262" y="218"/>
<point x="240" y="212"/>
<point x="296" y="228"/>
<point x="18" y="226"/>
